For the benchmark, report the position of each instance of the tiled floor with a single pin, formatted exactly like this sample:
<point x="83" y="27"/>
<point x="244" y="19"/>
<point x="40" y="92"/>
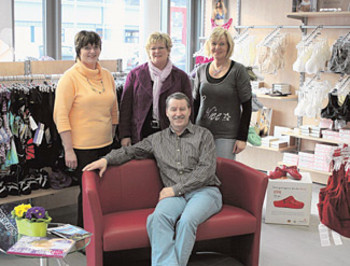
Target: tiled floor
<point x="281" y="245"/>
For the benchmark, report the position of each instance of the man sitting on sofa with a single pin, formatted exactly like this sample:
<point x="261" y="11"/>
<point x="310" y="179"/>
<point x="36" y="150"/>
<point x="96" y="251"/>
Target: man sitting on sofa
<point x="185" y="155"/>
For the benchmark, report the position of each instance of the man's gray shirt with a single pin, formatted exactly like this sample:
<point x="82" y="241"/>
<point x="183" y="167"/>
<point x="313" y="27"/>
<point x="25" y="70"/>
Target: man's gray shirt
<point x="186" y="162"/>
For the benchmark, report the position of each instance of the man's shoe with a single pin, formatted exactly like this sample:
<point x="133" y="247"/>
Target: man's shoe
<point x="289" y="202"/>
<point x="278" y="173"/>
<point x="293" y="171"/>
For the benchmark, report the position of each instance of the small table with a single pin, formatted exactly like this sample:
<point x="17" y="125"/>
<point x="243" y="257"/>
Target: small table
<point x="10" y="240"/>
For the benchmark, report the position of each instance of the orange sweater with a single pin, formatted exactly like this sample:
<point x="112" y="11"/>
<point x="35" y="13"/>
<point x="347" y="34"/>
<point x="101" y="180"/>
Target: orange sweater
<point x="81" y="109"/>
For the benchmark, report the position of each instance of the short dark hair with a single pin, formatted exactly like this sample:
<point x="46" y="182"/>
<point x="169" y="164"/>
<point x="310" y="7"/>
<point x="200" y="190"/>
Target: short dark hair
<point x="83" y="38"/>
<point x="178" y="96"/>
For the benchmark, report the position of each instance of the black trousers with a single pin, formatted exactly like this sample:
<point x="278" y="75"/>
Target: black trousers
<point x="85" y="157"/>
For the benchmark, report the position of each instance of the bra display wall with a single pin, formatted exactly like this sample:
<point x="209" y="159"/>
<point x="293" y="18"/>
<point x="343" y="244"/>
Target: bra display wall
<point x="274" y="13"/>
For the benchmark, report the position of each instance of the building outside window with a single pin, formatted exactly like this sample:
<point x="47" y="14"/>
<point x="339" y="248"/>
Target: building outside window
<point x="28" y="29"/>
<point x="178" y="24"/>
<point x="116" y="21"/>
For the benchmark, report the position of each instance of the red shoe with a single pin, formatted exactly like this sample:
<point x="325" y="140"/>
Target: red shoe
<point x="289" y="202"/>
<point x="278" y="173"/>
<point x="293" y="171"/>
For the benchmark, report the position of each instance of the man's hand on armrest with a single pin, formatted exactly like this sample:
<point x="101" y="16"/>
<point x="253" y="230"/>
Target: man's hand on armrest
<point x="100" y="164"/>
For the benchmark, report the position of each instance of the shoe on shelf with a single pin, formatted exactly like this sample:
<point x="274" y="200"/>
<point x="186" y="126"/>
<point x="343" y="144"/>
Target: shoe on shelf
<point x="3" y="190"/>
<point x="293" y="171"/>
<point x="42" y="177"/>
<point x="278" y="173"/>
<point x="253" y="137"/>
<point x="289" y="202"/>
<point x="24" y="187"/>
<point x="12" y="188"/>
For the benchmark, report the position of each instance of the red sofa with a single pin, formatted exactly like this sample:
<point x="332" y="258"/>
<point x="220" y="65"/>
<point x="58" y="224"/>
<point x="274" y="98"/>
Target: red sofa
<point x="116" y="208"/>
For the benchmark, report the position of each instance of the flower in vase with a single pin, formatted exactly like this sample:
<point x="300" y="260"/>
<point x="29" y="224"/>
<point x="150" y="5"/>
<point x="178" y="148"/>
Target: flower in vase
<point x="32" y="214"/>
<point x="20" y="210"/>
<point x="35" y="212"/>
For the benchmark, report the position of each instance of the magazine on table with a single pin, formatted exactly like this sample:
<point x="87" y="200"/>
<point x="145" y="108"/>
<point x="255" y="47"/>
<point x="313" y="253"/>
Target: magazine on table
<point x="42" y="247"/>
<point x="8" y="228"/>
<point x="69" y="231"/>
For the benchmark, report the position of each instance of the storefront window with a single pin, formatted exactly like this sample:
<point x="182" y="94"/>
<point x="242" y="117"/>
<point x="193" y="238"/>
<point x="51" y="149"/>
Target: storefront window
<point x="116" y="21"/>
<point x="178" y="24"/>
<point x="28" y="29"/>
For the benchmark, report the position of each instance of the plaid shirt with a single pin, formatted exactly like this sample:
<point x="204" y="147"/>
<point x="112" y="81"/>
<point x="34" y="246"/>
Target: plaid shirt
<point x="186" y="162"/>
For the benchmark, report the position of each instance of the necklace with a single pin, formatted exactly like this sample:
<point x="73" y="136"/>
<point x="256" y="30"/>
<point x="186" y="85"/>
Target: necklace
<point x="217" y="71"/>
<point x="96" y="90"/>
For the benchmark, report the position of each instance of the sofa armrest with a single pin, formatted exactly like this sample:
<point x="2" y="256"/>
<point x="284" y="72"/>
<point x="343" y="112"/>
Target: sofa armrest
<point x="93" y="220"/>
<point x="242" y="186"/>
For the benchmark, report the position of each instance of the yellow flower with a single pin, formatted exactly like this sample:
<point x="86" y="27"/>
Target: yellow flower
<point x="21" y="209"/>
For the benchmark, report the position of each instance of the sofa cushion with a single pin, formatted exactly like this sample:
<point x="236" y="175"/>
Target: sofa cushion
<point x="230" y="221"/>
<point x="127" y="229"/>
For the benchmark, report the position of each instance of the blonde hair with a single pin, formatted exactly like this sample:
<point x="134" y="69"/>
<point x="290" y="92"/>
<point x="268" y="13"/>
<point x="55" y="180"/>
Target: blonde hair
<point x="156" y="37"/>
<point x="216" y="34"/>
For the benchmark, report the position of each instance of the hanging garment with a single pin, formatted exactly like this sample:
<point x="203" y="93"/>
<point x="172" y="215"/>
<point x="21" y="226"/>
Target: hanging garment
<point x="340" y="58"/>
<point x="310" y="98"/>
<point x="334" y="199"/>
<point x="270" y="56"/>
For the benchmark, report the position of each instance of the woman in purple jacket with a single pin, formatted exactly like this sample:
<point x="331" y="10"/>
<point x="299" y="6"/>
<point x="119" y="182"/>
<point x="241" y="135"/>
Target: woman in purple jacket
<point x="142" y="106"/>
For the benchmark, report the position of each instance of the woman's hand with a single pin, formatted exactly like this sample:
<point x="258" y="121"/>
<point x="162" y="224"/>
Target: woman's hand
<point x="126" y="142"/>
<point x="71" y="159"/>
<point x="239" y="146"/>
<point x="100" y="164"/>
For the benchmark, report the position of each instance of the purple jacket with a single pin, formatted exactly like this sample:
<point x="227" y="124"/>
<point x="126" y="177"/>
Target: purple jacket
<point x="137" y="100"/>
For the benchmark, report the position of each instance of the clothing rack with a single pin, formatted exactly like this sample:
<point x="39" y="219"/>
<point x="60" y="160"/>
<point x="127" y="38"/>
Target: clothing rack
<point x="309" y="38"/>
<point x="292" y="27"/>
<point x="38" y="77"/>
<point x="271" y="36"/>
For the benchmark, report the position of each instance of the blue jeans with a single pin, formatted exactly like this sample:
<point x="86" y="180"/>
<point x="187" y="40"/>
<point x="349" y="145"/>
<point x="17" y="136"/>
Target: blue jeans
<point x="173" y="225"/>
<point x="224" y="148"/>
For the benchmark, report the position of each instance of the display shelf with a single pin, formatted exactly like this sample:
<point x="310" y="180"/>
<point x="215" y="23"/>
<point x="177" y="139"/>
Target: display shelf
<point x="309" y="170"/>
<point x="303" y="15"/>
<point x="282" y="98"/>
<point x="299" y="136"/>
<point x="289" y="148"/>
<point x="36" y="194"/>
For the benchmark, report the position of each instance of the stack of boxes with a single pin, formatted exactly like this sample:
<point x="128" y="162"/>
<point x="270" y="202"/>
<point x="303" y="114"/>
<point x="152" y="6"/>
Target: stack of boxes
<point x="290" y="158"/>
<point x="256" y="85"/>
<point x="305" y="130"/>
<point x="331" y="135"/>
<point x="266" y="141"/>
<point x="312" y="131"/>
<point x="315" y="131"/>
<point x="306" y="159"/>
<point x="278" y="144"/>
<point x="323" y="157"/>
<point x="344" y="135"/>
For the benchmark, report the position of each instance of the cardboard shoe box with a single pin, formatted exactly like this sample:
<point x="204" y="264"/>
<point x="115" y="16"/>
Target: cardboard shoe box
<point x="288" y="201"/>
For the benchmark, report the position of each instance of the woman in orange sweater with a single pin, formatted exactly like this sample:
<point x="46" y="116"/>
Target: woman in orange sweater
<point x="86" y="108"/>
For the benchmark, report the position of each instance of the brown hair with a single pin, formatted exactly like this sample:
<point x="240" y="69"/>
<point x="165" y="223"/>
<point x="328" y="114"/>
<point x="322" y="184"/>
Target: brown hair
<point x="83" y="38"/>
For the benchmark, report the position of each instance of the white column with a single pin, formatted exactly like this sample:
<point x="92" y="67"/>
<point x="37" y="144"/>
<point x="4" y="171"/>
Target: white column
<point x="149" y="22"/>
<point x="6" y="32"/>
